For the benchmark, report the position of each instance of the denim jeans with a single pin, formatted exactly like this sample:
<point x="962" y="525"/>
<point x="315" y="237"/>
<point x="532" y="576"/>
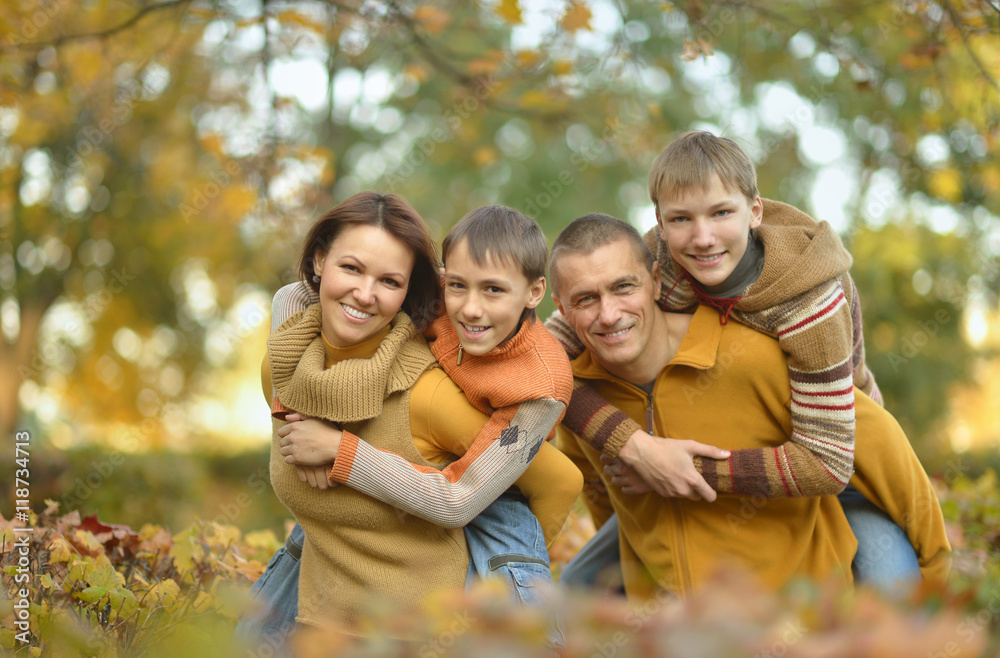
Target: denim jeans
<point x="264" y="631"/>
<point x="885" y="559"/>
<point x="506" y="541"/>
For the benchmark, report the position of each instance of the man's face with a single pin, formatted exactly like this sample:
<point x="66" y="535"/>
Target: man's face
<point x="609" y="299"/>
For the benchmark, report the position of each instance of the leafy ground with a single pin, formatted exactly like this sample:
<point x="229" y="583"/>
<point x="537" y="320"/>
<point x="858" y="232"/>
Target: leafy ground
<point x="109" y="590"/>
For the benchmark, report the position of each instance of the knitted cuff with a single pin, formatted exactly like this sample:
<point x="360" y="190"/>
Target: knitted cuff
<point x="619" y="435"/>
<point x="709" y="469"/>
<point x="341" y="469"/>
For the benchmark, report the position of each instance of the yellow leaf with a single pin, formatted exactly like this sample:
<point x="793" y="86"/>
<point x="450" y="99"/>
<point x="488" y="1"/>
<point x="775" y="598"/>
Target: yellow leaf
<point x="510" y="10"/>
<point x="482" y="66"/>
<point x="535" y="98"/>
<point x="527" y="58"/>
<point x="484" y="155"/>
<point x="60" y="550"/>
<point x="946" y="184"/>
<point x="301" y="20"/>
<point x="433" y="19"/>
<point x="562" y="67"/>
<point x="577" y="17"/>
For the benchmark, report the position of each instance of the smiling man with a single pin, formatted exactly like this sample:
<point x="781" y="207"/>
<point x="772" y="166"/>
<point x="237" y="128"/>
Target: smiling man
<point x="700" y="382"/>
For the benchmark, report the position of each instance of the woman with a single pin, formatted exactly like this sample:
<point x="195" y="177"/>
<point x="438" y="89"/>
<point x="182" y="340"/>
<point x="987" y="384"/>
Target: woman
<point x="358" y="359"/>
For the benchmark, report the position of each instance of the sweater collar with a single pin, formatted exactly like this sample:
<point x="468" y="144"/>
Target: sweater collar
<point x="350" y="390"/>
<point x="445" y="343"/>
<point x="364" y="350"/>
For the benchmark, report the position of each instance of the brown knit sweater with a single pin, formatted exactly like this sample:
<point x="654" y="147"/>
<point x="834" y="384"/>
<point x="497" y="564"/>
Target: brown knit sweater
<point x="806" y="299"/>
<point x="357" y="549"/>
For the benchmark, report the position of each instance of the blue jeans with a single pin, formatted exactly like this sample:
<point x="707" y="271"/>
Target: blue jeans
<point x="506" y="541"/>
<point x="885" y="558"/>
<point x="264" y="631"/>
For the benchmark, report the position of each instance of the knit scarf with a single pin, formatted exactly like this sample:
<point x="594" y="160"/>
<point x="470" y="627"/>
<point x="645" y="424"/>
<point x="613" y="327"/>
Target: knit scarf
<point x="349" y="391"/>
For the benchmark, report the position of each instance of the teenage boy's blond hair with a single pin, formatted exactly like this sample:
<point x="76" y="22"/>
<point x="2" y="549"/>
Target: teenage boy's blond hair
<point x="691" y="160"/>
<point x="503" y="235"/>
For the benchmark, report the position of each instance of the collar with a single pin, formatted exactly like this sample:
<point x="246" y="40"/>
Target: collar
<point x="698" y="349"/>
<point x="444" y="343"/>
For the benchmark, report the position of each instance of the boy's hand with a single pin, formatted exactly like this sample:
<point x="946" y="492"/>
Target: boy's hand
<point x="308" y="442"/>
<point x="316" y="476"/>
<point x="624" y="476"/>
<point x="667" y="465"/>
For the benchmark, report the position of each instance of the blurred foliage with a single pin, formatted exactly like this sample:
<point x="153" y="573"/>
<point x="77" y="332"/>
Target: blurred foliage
<point x="107" y="590"/>
<point x="157" y="169"/>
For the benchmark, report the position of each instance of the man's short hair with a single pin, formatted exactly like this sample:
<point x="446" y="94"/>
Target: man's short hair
<point x="692" y="159"/>
<point x="587" y="233"/>
<point x="505" y="235"/>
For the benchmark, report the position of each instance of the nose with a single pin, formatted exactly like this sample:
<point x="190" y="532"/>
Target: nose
<point x="702" y="235"/>
<point x="472" y="309"/>
<point x="610" y="311"/>
<point x="365" y="291"/>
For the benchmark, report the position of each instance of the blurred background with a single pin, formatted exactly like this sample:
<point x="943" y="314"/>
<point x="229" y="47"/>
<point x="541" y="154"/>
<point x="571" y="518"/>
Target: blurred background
<point x="160" y="162"/>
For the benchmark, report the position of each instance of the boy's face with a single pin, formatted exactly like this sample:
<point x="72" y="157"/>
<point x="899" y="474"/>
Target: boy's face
<point x="707" y="230"/>
<point x="484" y="304"/>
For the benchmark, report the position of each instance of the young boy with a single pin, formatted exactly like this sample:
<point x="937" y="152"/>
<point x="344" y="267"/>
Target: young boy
<point x="780" y="273"/>
<point x="509" y="366"/>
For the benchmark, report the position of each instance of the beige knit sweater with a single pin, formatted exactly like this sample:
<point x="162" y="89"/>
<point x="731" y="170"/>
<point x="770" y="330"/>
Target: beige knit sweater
<point x="358" y="551"/>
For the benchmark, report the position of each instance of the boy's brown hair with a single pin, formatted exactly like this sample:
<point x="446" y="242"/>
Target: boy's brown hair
<point x="691" y="160"/>
<point x="504" y="235"/>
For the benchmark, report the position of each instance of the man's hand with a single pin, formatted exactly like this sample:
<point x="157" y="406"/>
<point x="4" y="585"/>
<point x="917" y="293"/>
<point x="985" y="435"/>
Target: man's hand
<point x="624" y="476"/>
<point x="316" y="476"/>
<point x="667" y="465"/>
<point x="308" y="442"/>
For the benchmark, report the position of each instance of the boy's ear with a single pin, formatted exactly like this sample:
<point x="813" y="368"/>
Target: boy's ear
<point x="756" y="212"/>
<point x="536" y="293"/>
<point x="659" y="221"/>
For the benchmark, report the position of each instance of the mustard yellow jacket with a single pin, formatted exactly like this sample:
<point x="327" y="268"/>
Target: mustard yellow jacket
<point x="728" y="386"/>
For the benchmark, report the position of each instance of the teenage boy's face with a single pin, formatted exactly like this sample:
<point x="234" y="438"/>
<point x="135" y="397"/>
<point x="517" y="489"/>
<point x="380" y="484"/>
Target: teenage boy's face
<point x="707" y="230"/>
<point x="485" y="303"/>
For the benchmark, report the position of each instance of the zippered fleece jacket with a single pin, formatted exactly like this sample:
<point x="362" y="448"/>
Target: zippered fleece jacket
<point x="729" y="385"/>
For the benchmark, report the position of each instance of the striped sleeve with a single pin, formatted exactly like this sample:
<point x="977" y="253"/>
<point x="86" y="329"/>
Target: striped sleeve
<point x="289" y="300"/>
<point x="455" y="495"/>
<point x="602" y="426"/>
<point x="815" y="330"/>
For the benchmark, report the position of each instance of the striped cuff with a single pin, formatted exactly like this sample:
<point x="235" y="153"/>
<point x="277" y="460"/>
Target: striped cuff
<point x="279" y="410"/>
<point x="620" y="435"/>
<point x="340" y="472"/>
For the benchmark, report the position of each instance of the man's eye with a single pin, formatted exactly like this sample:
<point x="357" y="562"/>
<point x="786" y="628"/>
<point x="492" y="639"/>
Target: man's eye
<point x="494" y="290"/>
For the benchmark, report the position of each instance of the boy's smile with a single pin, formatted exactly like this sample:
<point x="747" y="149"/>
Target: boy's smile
<point x="485" y="303"/>
<point x="707" y="229"/>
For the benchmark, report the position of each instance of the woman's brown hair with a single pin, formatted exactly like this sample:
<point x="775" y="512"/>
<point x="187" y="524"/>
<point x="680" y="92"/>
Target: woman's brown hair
<point x="397" y="218"/>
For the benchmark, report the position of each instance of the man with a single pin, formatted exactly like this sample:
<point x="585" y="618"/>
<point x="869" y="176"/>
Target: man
<point x="701" y="382"/>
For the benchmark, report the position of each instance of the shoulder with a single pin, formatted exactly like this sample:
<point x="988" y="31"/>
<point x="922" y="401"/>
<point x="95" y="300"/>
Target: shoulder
<point x="551" y="361"/>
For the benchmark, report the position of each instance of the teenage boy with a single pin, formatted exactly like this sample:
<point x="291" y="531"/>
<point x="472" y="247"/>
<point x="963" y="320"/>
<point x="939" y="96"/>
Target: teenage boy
<point x="509" y="366"/>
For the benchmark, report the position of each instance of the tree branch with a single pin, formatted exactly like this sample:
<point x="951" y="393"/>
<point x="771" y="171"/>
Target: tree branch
<point x="101" y="34"/>
<point x="956" y="20"/>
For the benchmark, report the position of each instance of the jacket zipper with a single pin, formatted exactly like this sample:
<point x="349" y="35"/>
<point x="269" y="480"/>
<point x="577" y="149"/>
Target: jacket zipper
<point x="682" y="565"/>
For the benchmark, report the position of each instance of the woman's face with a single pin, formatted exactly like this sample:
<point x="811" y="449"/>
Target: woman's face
<point x="363" y="282"/>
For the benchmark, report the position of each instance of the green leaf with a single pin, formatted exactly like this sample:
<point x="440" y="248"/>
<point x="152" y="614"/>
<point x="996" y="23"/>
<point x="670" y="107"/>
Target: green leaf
<point x="92" y="594"/>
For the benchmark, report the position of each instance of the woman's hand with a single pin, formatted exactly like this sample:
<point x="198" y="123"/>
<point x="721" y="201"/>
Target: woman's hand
<point x="308" y="441"/>
<point x="316" y="476"/>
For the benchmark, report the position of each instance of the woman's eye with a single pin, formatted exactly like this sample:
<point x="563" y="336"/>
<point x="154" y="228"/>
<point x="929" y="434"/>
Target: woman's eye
<point x="392" y="283"/>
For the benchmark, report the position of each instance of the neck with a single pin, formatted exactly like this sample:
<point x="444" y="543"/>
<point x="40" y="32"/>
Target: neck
<point x="657" y="354"/>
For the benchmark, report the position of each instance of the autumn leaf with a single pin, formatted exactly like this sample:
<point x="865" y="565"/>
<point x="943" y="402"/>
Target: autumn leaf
<point x="694" y="49"/>
<point x="432" y="19"/>
<point x="510" y="11"/>
<point x="577" y="17"/>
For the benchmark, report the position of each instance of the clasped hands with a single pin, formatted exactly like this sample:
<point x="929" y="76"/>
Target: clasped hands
<point x="666" y="466"/>
<point x="311" y="445"/>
